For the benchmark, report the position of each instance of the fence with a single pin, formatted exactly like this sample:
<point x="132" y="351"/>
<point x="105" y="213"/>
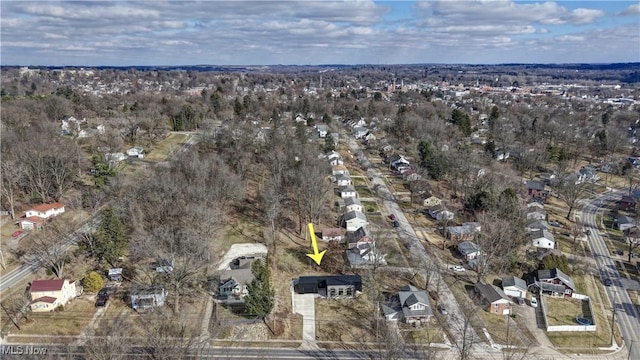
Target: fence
<point x="588" y="313"/>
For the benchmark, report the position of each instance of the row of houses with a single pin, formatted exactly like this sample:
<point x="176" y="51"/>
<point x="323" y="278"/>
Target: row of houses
<point x="361" y="247"/>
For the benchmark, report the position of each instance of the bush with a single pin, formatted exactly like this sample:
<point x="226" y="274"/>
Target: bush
<point x="93" y="282"/>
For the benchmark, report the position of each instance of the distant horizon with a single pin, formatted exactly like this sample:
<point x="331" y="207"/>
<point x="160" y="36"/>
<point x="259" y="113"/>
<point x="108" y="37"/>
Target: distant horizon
<point x="326" y="65"/>
<point x="289" y="32"/>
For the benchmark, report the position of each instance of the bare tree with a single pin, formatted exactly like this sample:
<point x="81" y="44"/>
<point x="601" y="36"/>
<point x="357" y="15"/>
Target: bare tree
<point x="12" y="172"/>
<point x="570" y="191"/>
<point x="50" y="245"/>
<point x="110" y="340"/>
<point x="632" y="239"/>
<point x="462" y="324"/>
<point x="169" y="337"/>
<point x="496" y="242"/>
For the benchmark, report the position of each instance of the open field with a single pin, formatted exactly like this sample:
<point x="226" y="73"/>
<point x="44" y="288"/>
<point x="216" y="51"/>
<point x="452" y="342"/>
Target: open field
<point x="166" y="146"/>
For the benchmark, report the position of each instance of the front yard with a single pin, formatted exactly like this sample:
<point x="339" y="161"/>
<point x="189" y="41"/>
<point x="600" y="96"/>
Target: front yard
<point x="71" y="321"/>
<point x="346" y="320"/>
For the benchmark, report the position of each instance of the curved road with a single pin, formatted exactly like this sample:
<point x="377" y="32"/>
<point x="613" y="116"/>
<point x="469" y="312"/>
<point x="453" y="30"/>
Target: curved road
<point x="625" y="312"/>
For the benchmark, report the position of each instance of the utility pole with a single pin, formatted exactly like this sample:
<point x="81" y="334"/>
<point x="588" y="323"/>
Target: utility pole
<point x="613" y="317"/>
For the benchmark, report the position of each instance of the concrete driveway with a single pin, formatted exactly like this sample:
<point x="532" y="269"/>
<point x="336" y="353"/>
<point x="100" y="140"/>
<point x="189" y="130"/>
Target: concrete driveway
<point x="305" y="305"/>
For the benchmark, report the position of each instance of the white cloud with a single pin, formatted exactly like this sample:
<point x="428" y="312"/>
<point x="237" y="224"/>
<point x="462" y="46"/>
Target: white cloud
<point x="631" y="10"/>
<point x="239" y="32"/>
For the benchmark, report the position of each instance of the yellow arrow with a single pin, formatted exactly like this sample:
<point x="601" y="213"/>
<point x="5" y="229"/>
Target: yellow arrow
<point x="316" y="256"/>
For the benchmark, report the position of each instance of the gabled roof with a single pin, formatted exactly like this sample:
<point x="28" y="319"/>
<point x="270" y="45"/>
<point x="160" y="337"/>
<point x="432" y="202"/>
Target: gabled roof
<point x="241" y="276"/>
<point x="47" y="285"/>
<point x="467" y="247"/>
<point x="45" y="299"/>
<point x="410" y="295"/>
<point x="542" y="233"/>
<point x="347" y="188"/>
<point x="33" y="219"/>
<point x="142" y="290"/>
<point x="352" y="201"/>
<point x="47" y="207"/>
<point x="491" y="292"/>
<point x="535" y="185"/>
<point x="550" y="274"/>
<point x="359" y="234"/>
<point x="514" y="281"/>
<point x="350" y="215"/>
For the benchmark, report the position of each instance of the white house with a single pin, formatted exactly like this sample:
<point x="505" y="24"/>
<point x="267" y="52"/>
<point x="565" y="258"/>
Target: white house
<point x="335" y="158"/>
<point x="47" y="295"/>
<point x="343" y="180"/>
<point x="353" y="204"/>
<point x="514" y="286"/>
<point x="46" y="210"/>
<point x="323" y="130"/>
<point x="36" y="217"/>
<point x="468" y="250"/>
<point x="348" y="191"/>
<point x="360" y="132"/>
<point x="339" y="170"/>
<point x="136" y="151"/>
<point x="354" y="220"/>
<point x="115" y="157"/>
<point x="542" y="239"/>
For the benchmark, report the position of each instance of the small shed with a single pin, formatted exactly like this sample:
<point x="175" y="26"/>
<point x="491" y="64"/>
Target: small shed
<point x="115" y="274"/>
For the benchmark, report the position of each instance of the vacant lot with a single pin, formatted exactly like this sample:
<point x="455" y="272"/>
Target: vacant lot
<point x="166" y="146"/>
<point x="345" y="320"/>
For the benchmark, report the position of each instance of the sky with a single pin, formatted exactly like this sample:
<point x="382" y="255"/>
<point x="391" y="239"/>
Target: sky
<point x="126" y="33"/>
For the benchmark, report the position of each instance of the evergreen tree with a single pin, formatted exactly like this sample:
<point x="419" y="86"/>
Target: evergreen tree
<point x="110" y="239"/>
<point x="329" y="144"/>
<point x="432" y="160"/>
<point x="92" y="282"/>
<point x="260" y="299"/>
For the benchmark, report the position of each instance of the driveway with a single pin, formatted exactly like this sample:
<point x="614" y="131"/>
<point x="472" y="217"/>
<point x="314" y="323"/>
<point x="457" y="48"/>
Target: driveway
<point x="305" y="305"/>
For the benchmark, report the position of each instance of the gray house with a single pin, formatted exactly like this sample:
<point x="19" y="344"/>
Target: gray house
<point x="410" y="305"/>
<point x="468" y="250"/>
<point x="145" y="297"/>
<point x="233" y="282"/>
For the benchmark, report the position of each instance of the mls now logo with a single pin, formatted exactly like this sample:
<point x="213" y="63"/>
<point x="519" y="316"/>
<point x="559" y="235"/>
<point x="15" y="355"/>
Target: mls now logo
<point x="22" y="350"/>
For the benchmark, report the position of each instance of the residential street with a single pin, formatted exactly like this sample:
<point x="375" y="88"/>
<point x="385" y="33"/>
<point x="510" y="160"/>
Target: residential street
<point x="412" y="242"/>
<point x="626" y="314"/>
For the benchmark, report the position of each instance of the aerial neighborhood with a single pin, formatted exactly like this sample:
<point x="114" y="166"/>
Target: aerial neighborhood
<point x="441" y="211"/>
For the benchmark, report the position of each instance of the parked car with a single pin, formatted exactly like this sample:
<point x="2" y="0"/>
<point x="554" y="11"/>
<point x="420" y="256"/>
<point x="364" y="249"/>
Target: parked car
<point x="555" y="224"/>
<point x="534" y="302"/>
<point x="607" y="282"/>
<point x="16" y="233"/>
<point x="392" y="216"/>
<point x="442" y="310"/>
<point x="458" y="268"/>
<point x="103" y="292"/>
<point x="396" y="223"/>
<point x="102" y="301"/>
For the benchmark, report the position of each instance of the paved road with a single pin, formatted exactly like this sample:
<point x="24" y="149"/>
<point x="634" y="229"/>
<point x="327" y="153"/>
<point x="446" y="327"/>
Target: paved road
<point x="411" y="241"/>
<point x="626" y="314"/>
<point x="32" y="265"/>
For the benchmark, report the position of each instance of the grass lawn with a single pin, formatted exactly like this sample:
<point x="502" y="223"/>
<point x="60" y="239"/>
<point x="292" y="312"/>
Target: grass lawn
<point x="602" y="314"/>
<point x="370" y="207"/>
<point x="346" y="320"/>
<point x="71" y="321"/>
<point x="163" y="148"/>
<point x="562" y="311"/>
<point x="425" y="335"/>
<point x="500" y="332"/>
<point x="359" y="181"/>
<point x="363" y="191"/>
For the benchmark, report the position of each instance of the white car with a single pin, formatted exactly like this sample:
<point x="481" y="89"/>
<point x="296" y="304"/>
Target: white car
<point x="534" y="302"/>
<point x="458" y="268"/>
